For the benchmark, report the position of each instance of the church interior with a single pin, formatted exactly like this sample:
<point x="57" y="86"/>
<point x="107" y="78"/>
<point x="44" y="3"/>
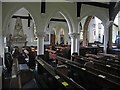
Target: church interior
<point x="60" y="45"/>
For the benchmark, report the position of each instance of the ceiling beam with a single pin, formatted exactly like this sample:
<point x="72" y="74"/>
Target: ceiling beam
<point x="78" y="9"/>
<point x="43" y="7"/>
<point x="98" y="4"/>
<point x="24" y="17"/>
<point x="58" y="20"/>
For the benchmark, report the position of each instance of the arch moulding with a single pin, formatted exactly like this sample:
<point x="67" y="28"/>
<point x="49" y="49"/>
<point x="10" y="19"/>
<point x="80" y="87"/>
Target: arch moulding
<point x="11" y="11"/>
<point x="65" y="14"/>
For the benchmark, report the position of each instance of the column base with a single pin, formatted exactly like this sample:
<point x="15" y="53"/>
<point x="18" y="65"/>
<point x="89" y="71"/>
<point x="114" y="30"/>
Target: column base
<point x="40" y="56"/>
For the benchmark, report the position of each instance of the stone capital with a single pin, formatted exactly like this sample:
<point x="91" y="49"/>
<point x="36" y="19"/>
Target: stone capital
<point x="74" y="35"/>
<point x="41" y="34"/>
<point x="109" y="23"/>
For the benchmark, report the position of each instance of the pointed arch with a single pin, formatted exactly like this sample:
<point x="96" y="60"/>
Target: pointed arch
<point x="86" y="23"/>
<point x="102" y="18"/>
<point x="10" y="13"/>
<point x="65" y="14"/>
<point x="116" y="10"/>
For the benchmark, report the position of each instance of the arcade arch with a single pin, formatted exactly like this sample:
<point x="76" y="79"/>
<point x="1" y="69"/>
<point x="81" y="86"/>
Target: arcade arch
<point x="56" y="23"/>
<point x="92" y="30"/>
<point x="116" y="30"/>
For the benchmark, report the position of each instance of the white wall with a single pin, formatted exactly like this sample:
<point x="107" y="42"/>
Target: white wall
<point x="91" y="30"/>
<point x="119" y="20"/>
<point x="116" y="29"/>
<point x="99" y="30"/>
<point x="94" y="29"/>
<point x="114" y="33"/>
<point x="1" y="44"/>
<point x="1" y="29"/>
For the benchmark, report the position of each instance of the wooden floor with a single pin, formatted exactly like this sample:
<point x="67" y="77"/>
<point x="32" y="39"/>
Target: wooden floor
<point x="18" y="78"/>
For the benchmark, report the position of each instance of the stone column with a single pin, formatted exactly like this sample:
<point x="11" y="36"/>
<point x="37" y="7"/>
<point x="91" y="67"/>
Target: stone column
<point x="105" y="39"/>
<point x="110" y="37"/>
<point x="74" y="42"/>
<point x="107" y="34"/>
<point x="40" y="43"/>
<point x="1" y="46"/>
<point x="85" y="31"/>
<point x="1" y="35"/>
<point x="85" y="37"/>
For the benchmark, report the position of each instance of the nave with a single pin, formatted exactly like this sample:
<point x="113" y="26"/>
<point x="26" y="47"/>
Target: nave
<point x="55" y="70"/>
<point x="61" y="45"/>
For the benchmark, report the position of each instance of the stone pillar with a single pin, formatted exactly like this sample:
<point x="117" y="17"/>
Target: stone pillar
<point x="85" y="31"/>
<point x="74" y="42"/>
<point x="78" y="43"/>
<point x="105" y="39"/>
<point x="1" y="36"/>
<point x="110" y="37"/>
<point x="1" y="46"/>
<point x="119" y="21"/>
<point x="40" y="43"/>
<point x="85" y="37"/>
<point x="31" y="28"/>
<point x="107" y="32"/>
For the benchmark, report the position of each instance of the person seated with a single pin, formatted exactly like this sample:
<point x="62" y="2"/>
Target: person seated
<point x="32" y="56"/>
<point x="73" y="56"/>
<point x="15" y="52"/>
<point x="22" y="57"/>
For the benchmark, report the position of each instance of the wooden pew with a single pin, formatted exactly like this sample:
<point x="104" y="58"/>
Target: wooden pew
<point x="59" y="81"/>
<point x="101" y="59"/>
<point x="88" y="50"/>
<point x="108" y="55"/>
<point x="91" y="78"/>
<point x="94" y="56"/>
<point x="110" y="58"/>
<point x="100" y="66"/>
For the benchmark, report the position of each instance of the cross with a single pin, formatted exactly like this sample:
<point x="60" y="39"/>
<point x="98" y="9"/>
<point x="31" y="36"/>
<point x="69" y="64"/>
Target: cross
<point x="24" y="17"/>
